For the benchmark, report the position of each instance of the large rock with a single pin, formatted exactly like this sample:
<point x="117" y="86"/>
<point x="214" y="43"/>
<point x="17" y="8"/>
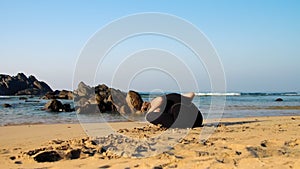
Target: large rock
<point x="83" y="90"/>
<point x="54" y="106"/>
<point x="47" y="156"/>
<point x="93" y="99"/>
<point x="57" y="106"/>
<point x="21" y="85"/>
<point x="134" y="100"/>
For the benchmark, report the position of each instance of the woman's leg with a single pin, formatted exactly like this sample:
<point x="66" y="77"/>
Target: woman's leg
<point x="189" y="95"/>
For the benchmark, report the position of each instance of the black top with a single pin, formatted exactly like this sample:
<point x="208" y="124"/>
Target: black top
<point x="177" y="112"/>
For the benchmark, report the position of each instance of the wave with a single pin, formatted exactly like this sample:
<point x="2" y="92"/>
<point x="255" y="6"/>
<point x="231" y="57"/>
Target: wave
<point x="5" y="97"/>
<point x="272" y="94"/>
<point x="217" y="94"/>
<point x="233" y="94"/>
<point x="248" y="94"/>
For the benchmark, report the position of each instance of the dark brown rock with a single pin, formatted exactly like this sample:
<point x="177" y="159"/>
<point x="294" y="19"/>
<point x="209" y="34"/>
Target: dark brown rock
<point x="64" y="94"/>
<point x="47" y="156"/>
<point x="134" y="100"/>
<point x="54" y="106"/>
<point x="73" y="154"/>
<point x="23" y="98"/>
<point x="68" y="108"/>
<point x="57" y="94"/>
<point x="6" y="105"/>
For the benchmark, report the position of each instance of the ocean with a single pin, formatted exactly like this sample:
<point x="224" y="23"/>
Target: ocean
<point x="237" y="105"/>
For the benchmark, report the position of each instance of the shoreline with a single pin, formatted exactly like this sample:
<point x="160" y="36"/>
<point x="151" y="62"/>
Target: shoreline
<point x="212" y="119"/>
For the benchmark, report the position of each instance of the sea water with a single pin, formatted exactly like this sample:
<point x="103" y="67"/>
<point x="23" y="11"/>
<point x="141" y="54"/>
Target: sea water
<point x="211" y="105"/>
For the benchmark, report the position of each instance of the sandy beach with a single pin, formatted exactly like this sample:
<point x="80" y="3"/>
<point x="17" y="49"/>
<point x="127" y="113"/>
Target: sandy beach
<point x="257" y="142"/>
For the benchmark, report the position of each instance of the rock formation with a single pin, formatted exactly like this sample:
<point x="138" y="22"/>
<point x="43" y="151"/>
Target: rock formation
<point x="57" y="94"/>
<point x="22" y="85"/>
<point x="102" y="99"/>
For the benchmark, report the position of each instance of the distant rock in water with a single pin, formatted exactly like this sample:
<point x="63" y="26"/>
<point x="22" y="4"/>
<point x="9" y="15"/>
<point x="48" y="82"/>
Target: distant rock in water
<point x="22" y="85"/>
<point x="279" y="100"/>
<point x="57" y="94"/>
<point x="6" y="105"/>
<point x="23" y="98"/>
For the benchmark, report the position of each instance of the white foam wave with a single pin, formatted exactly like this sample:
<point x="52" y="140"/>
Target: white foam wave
<point x="217" y="94"/>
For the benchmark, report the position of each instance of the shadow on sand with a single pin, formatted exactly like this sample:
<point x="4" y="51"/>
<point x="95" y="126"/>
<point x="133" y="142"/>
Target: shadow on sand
<point x="218" y="124"/>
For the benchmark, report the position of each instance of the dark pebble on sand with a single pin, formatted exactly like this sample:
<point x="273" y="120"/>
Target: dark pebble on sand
<point x="18" y="162"/>
<point x="12" y="157"/>
<point x="238" y="153"/>
<point x="263" y="143"/>
<point x="157" y="167"/>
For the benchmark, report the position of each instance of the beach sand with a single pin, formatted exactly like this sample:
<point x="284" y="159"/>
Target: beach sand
<point x="255" y="142"/>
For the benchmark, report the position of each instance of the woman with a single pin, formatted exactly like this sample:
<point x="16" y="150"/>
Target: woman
<point x="173" y="110"/>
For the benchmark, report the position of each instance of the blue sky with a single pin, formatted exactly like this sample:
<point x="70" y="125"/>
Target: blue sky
<point x="257" y="41"/>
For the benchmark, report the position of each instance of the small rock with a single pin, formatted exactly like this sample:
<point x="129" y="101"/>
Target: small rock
<point x="104" y="166"/>
<point x="56" y="141"/>
<point x="202" y="153"/>
<point x="12" y="157"/>
<point x="23" y="98"/>
<point x="73" y="154"/>
<point x="264" y="143"/>
<point x="279" y="100"/>
<point x="18" y="162"/>
<point x="238" y="153"/>
<point x="6" y="105"/>
<point x="157" y="167"/>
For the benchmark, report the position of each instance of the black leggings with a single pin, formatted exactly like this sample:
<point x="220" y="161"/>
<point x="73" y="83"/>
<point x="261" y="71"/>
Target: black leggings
<point x="179" y="112"/>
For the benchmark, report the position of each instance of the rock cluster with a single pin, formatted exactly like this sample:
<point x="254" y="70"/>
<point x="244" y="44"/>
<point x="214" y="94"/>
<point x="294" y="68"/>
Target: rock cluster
<point x="113" y="146"/>
<point x="102" y="99"/>
<point x="22" y="85"/>
<point x="70" y="149"/>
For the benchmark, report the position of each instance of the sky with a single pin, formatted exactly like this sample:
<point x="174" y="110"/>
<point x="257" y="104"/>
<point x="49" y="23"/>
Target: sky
<point x="257" y="41"/>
